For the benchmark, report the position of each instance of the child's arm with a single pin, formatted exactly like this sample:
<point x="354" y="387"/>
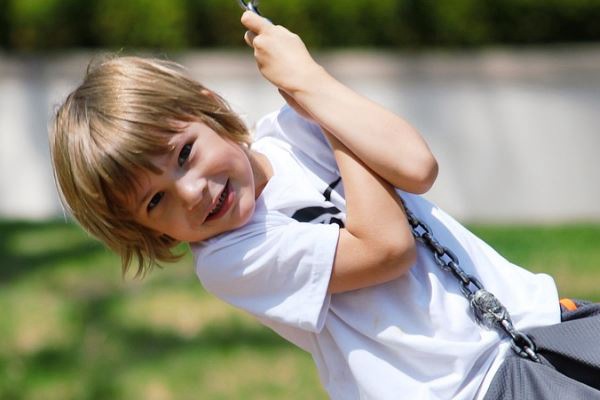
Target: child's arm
<point x="382" y="140"/>
<point x="376" y="244"/>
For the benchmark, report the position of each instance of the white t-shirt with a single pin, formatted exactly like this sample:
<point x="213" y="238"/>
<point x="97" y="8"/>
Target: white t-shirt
<point x="413" y="337"/>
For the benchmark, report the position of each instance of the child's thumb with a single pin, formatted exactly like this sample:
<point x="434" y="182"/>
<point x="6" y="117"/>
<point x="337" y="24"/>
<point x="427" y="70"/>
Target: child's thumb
<point x="254" y="22"/>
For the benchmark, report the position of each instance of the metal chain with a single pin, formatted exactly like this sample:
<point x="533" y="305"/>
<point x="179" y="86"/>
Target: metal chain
<point x="488" y="310"/>
<point x="250" y="6"/>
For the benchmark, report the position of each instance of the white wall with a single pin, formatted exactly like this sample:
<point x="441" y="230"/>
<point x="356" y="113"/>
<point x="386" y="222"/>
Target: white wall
<point x="516" y="132"/>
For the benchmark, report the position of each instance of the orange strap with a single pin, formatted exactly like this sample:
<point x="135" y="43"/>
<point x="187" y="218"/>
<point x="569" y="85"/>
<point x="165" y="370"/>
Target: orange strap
<point x="568" y="304"/>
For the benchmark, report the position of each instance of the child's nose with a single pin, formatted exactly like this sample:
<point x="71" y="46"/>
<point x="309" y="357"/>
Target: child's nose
<point x="191" y="190"/>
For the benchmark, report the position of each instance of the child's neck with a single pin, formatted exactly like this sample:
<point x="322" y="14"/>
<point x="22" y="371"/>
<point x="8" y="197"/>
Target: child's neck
<point x="261" y="169"/>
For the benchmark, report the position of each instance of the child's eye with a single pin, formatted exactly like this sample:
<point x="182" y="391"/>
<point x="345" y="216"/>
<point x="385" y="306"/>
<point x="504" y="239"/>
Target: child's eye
<point x="155" y="200"/>
<point x="184" y="154"/>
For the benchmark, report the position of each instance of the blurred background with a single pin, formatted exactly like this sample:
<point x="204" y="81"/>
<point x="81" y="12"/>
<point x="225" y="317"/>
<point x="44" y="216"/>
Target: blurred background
<point x="507" y="93"/>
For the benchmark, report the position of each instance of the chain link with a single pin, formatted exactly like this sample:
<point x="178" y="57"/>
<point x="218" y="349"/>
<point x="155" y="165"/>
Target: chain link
<point x="488" y="310"/>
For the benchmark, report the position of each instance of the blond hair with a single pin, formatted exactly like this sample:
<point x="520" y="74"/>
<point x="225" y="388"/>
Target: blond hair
<point x="105" y="133"/>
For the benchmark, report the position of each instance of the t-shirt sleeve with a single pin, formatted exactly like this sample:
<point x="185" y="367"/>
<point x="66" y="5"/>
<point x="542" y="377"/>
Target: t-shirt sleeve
<point x="303" y="135"/>
<point x="278" y="270"/>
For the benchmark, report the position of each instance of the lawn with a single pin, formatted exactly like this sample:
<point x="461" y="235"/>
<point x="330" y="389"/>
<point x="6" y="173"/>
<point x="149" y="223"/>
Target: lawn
<point x="72" y="328"/>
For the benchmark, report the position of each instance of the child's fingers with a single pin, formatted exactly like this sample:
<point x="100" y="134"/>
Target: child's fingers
<point x="254" y="22"/>
<point x="249" y="38"/>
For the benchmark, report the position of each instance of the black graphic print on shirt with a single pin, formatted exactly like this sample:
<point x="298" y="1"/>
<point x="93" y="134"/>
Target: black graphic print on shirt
<point x="321" y="215"/>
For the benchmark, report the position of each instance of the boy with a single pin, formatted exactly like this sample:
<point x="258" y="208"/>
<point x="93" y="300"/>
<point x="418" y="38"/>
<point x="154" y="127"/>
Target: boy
<point x="304" y="228"/>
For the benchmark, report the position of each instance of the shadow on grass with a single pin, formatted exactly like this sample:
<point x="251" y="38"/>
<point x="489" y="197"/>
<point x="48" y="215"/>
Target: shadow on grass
<point x="92" y="310"/>
<point x="14" y="263"/>
<point x="147" y="346"/>
<point x="105" y="349"/>
<point x="150" y="344"/>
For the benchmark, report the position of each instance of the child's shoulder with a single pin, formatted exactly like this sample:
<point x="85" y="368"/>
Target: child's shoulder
<point x="297" y="135"/>
<point x="287" y="124"/>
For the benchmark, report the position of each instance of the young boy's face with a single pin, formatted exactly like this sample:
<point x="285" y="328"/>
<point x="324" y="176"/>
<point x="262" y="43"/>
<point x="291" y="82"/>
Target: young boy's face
<point x="206" y="187"/>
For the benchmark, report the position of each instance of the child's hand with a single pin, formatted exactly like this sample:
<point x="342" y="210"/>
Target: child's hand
<point x="281" y="55"/>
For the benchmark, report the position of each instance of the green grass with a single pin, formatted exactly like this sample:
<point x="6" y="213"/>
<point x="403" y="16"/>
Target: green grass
<point x="570" y="253"/>
<point x="71" y="328"/>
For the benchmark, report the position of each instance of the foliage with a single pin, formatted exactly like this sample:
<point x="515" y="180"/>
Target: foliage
<point x="151" y="23"/>
<point x="168" y="24"/>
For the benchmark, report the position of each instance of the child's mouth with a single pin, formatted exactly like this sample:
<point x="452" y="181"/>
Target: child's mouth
<point x="223" y="203"/>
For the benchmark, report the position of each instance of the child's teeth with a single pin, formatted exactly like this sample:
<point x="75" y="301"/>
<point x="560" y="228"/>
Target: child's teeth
<point x="219" y="203"/>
